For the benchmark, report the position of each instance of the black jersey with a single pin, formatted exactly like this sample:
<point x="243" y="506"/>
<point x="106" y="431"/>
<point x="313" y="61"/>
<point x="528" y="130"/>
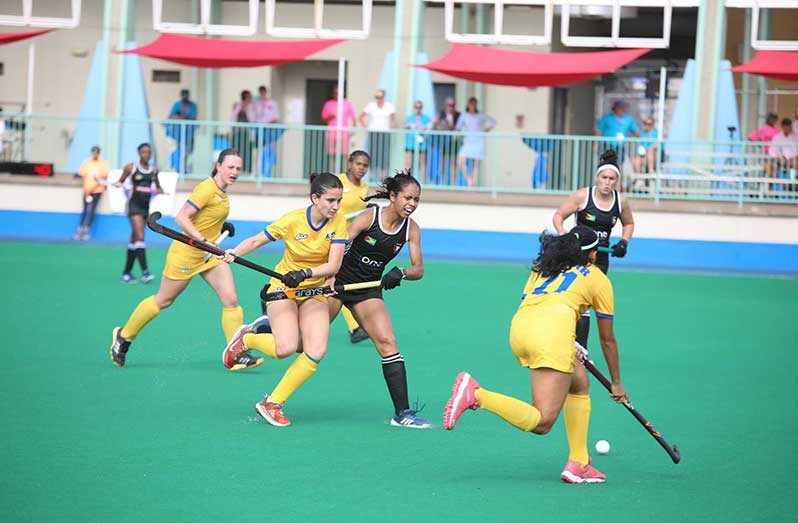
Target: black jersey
<point x="367" y="255"/>
<point x="139" y="202"/>
<point x="600" y="220"/>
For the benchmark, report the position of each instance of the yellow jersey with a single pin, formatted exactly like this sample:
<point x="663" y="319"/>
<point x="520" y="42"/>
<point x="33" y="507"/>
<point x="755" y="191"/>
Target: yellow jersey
<point x="94" y="174"/>
<point x="577" y="289"/>
<point x="353" y="196"/>
<point x="212" y="205"/>
<point x="306" y="246"/>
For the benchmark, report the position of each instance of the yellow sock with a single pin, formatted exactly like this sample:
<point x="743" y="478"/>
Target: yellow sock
<point x="298" y="373"/>
<point x="232" y="319"/>
<point x="262" y="342"/>
<point x="577" y="419"/>
<point x="351" y="322"/>
<point x="143" y="313"/>
<point x="518" y="413"/>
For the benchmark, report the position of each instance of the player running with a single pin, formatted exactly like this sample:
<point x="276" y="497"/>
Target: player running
<point x="202" y="217"/>
<point x="378" y="235"/>
<point x="564" y="282"/>
<point x="314" y="238"/>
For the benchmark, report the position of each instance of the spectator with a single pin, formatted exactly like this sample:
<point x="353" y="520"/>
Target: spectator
<point x="647" y="148"/>
<point x="94" y="172"/>
<point x="766" y="132"/>
<point x="183" y="135"/>
<point x="617" y="124"/>
<point x="337" y="140"/>
<point x="244" y="112"/>
<point x="784" y="151"/>
<point x="416" y="141"/>
<point x="381" y="119"/>
<point x="795" y="122"/>
<point x="266" y="112"/>
<point x="473" y="149"/>
<point x="443" y="147"/>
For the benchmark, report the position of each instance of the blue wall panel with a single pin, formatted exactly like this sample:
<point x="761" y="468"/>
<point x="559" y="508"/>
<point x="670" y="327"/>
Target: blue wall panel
<point x="644" y="253"/>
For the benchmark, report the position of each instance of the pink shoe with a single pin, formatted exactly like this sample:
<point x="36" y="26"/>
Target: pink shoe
<point x="575" y="473"/>
<point x="236" y="347"/>
<point x="462" y="398"/>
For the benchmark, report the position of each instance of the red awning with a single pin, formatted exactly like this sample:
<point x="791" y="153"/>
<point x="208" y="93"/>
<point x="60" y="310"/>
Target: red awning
<point x="782" y="65"/>
<point x="212" y="52"/>
<point x="7" y="38"/>
<point x="529" y="69"/>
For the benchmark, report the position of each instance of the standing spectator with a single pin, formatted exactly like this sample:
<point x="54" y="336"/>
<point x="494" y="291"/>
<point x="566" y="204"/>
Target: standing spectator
<point x="337" y="139"/>
<point x="244" y="112"/>
<point x="794" y="122"/>
<point x="416" y="141"/>
<point x="766" y="132"/>
<point x="94" y="172"/>
<point x="266" y="112"/>
<point x="381" y="119"/>
<point x="617" y="124"/>
<point x="472" y="121"/>
<point x="443" y="147"/>
<point x="646" y="149"/>
<point x="183" y="109"/>
<point x="784" y="151"/>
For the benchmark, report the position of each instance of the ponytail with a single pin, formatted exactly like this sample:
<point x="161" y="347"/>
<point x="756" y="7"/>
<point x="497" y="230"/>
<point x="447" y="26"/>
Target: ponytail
<point x="393" y="184"/>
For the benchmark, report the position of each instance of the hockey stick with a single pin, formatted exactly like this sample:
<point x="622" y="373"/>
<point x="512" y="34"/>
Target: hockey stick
<point x="546" y="234"/>
<point x="672" y="451"/>
<point x="290" y="294"/>
<point x="228" y="231"/>
<point x="152" y="223"/>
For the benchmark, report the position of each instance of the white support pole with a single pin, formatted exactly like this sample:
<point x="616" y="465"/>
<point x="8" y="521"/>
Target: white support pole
<point x="31" y="69"/>
<point x="339" y="114"/>
<point x="663" y="83"/>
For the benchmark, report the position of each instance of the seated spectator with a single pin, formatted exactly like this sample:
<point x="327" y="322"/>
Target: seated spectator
<point x="784" y="151"/>
<point x="766" y="132"/>
<point x="646" y="149"/>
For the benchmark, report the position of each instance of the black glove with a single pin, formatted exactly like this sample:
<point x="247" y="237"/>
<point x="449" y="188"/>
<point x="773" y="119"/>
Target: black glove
<point x="292" y="279"/>
<point x="619" y="249"/>
<point x="230" y="228"/>
<point x="392" y="279"/>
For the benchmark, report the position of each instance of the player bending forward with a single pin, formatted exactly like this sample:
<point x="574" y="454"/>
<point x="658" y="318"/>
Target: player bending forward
<point x="563" y="284"/>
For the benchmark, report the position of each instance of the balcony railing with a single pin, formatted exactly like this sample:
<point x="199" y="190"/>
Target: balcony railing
<point x="494" y="162"/>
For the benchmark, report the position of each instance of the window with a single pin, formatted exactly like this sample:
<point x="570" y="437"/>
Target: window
<point x="163" y="75"/>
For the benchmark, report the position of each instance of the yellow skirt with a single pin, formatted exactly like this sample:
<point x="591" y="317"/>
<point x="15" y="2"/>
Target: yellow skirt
<point x="544" y="338"/>
<point x="184" y="262"/>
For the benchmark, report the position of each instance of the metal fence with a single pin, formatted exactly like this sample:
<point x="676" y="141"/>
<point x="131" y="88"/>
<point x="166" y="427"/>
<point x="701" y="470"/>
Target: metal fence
<point x="494" y="162"/>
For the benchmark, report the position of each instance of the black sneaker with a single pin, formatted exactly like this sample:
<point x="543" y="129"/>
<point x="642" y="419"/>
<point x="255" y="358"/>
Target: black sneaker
<point x="119" y="347"/>
<point x="246" y="360"/>
<point x="358" y="335"/>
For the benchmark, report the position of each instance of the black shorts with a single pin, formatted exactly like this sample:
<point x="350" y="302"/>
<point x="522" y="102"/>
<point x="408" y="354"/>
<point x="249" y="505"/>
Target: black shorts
<point x="603" y="261"/>
<point x="350" y="298"/>
<point x="138" y="206"/>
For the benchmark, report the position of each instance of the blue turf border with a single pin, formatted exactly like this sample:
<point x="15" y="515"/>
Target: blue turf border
<point x="460" y="245"/>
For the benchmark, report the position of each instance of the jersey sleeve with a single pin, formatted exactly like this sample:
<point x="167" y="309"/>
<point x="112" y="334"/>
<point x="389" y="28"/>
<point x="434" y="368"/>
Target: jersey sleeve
<point x="200" y="196"/>
<point x="278" y="229"/>
<point x="604" y="300"/>
<point x="341" y="234"/>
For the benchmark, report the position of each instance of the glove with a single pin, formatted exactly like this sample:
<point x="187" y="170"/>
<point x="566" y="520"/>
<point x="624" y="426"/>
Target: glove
<point x="292" y="279"/>
<point x="393" y="278"/>
<point x="619" y="249"/>
<point x="230" y="228"/>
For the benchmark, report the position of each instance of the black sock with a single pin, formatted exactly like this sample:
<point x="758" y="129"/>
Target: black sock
<point x="582" y="330"/>
<point x="393" y="368"/>
<point x="141" y="254"/>
<point x="131" y="257"/>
